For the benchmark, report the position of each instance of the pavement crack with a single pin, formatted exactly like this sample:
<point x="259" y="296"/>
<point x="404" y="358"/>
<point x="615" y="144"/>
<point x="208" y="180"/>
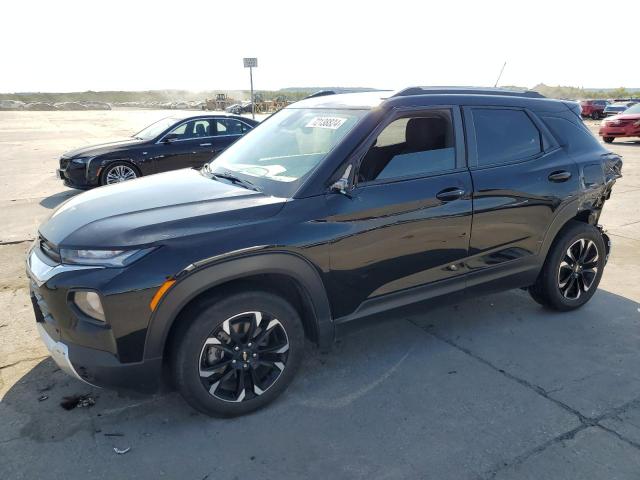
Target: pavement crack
<point x="492" y="473"/>
<point x="620" y="436"/>
<point x="525" y="383"/>
<point x="14" y="242"/>
<point x="32" y="359"/>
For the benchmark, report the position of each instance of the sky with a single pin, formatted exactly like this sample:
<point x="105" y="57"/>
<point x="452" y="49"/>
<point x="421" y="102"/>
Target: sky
<point x="64" y="45"/>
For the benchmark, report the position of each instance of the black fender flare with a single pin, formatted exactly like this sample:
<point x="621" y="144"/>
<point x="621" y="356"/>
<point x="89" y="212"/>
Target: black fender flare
<point x="214" y="273"/>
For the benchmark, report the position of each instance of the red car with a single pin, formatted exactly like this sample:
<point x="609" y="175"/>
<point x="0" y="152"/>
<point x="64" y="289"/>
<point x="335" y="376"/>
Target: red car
<point x="593" y="108"/>
<point x="626" y="124"/>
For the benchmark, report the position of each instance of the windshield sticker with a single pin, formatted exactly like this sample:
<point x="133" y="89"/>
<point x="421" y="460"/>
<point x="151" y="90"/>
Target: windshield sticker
<point x="332" y="123"/>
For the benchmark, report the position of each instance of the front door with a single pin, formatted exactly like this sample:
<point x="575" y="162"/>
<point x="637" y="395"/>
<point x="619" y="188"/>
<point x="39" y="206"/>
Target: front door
<point x="189" y="145"/>
<point x="407" y="222"/>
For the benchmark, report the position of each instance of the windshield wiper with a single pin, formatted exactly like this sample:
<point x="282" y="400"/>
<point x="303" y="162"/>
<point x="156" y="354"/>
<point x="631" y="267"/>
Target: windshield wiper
<point x="235" y="180"/>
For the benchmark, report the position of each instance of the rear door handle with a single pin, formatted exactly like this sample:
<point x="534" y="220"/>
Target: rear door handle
<point x="205" y="144"/>
<point x="449" y="194"/>
<point x="559" y="176"/>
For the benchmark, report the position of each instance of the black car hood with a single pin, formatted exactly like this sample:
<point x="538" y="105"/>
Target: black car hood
<point x="101" y="149"/>
<point x="155" y="208"/>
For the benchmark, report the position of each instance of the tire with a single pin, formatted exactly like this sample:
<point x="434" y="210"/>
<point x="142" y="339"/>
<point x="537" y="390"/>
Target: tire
<point x="595" y="115"/>
<point x="567" y="282"/>
<point x="220" y="380"/>
<point x="118" y="169"/>
<point x="608" y="139"/>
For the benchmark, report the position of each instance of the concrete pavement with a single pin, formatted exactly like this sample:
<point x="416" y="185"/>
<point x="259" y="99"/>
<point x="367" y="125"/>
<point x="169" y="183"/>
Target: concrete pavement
<point x="492" y="387"/>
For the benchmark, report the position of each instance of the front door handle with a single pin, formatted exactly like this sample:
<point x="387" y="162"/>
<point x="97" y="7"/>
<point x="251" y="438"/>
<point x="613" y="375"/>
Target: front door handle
<point x="559" y="176"/>
<point x="449" y="194"/>
<point x="205" y="144"/>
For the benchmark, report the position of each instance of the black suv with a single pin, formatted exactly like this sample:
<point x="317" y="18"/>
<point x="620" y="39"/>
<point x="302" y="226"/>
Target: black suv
<point x="333" y="209"/>
<point x="169" y="144"/>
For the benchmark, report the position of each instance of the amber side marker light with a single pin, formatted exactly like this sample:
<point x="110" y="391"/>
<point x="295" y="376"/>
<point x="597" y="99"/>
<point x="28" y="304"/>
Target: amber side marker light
<point x="160" y="293"/>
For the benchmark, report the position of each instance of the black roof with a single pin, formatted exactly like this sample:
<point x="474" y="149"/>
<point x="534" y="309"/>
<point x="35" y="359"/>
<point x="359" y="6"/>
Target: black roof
<point x="422" y="95"/>
<point x="466" y="91"/>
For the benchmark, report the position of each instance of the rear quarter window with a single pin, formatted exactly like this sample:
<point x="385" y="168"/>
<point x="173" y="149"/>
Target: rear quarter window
<point x="573" y="138"/>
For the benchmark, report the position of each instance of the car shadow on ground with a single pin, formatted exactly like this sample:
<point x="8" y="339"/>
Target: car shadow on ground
<point x="52" y="201"/>
<point x="508" y="328"/>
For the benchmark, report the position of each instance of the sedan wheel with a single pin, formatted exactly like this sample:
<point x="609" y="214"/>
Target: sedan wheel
<point x="119" y="173"/>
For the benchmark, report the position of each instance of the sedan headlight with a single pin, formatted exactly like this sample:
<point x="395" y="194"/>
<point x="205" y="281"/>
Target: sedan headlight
<point x="103" y="258"/>
<point x="80" y="160"/>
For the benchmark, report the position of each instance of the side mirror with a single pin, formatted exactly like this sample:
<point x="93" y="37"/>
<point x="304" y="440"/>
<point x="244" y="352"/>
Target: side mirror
<point x="170" y="138"/>
<point x="342" y="184"/>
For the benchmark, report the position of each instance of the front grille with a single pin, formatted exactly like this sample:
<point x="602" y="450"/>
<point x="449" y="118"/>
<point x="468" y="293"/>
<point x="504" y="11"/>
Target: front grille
<point x="49" y="249"/>
<point x="64" y="163"/>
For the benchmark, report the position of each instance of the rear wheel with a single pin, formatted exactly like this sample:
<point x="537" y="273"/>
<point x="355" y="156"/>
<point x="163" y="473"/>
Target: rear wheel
<point x="595" y="115"/>
<point x="573" y="268"/>
<point x="608" y="139"/>
<point x="238" y="353"/>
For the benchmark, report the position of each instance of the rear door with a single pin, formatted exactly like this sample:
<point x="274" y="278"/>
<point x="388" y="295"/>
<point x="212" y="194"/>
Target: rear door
<point x="227" y="131"/>
<point x="521" y="178"/>
<point x="407" y="222"/>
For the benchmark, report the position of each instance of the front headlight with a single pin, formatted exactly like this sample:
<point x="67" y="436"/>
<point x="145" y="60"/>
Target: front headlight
<point x="80" y="160"/>
<point x="103" y="258"/>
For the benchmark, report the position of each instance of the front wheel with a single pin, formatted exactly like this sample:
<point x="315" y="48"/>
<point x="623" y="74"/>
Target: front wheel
<point x="118" y="172"/>
<point x="595" y="115"/>
<point x="572" y="269"/>
<point x="608" y="139"/>
<point x="238" y="353"/>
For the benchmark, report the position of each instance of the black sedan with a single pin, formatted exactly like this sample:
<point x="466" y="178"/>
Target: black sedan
<point x="169" y="144"/>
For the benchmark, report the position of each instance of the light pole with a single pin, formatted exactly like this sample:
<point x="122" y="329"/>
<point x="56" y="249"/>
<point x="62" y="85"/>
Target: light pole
<point x="250" y="63"/>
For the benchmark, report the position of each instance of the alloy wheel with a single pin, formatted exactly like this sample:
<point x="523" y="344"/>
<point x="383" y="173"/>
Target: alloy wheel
<point x="578" y="269"/>
<point x="120" y="173"/>
<point x="243" y="357"/>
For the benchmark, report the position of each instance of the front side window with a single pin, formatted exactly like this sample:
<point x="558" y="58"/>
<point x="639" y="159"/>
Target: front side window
<point x="192" y="129"/>
<point x="411" y="147"/>
<point x="288" y="145"/>
<point x="504" y="136"/>
<point x="155" y="129"/>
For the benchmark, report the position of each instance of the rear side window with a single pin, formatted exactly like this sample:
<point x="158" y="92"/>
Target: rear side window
<point x="230" y="126"/>
<point x="504" y="136"/>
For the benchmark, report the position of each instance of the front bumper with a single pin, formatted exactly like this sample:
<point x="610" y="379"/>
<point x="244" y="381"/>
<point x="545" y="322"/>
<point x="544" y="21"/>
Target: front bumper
<point x="622" y="131"/>
<point x="59" y="353"/>
<point x="105" y="355"/>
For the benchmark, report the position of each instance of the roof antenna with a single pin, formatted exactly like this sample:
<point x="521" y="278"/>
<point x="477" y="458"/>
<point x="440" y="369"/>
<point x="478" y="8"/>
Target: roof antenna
<point x="501" y="70"/>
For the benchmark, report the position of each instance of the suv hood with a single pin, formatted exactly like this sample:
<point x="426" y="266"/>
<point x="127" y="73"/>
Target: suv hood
<point x="102" y="148"/>
<point x="150" y="209"/>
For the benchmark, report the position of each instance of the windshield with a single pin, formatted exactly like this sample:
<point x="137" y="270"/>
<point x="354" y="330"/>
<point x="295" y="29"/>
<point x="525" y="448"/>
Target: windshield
<point x="155" y="129"/>
<point x="288" y="146"/>
<point x="633" y="109"/>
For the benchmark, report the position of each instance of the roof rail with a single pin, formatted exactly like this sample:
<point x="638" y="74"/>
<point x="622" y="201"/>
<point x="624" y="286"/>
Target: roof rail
<point x="321" y="93"/>
<point x="466" y="91"/>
